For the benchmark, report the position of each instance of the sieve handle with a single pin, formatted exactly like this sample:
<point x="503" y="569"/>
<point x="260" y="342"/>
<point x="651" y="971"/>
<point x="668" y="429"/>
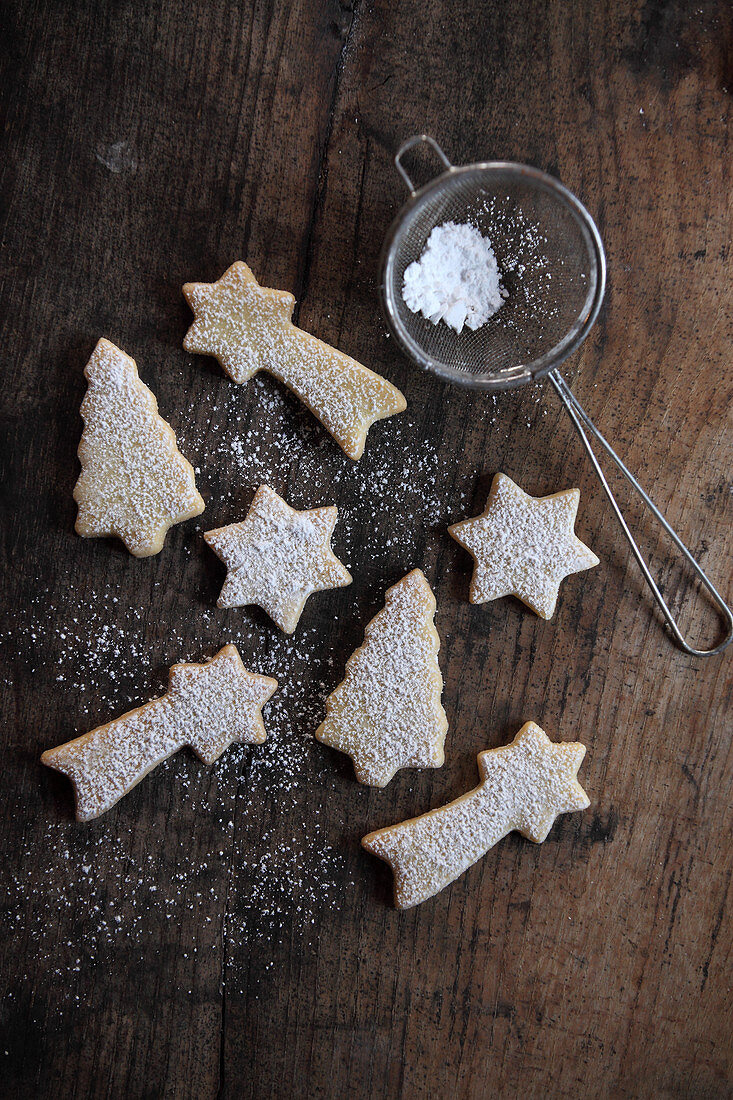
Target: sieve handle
<point x="418" y="139"/>
<point x="582" y="421"/>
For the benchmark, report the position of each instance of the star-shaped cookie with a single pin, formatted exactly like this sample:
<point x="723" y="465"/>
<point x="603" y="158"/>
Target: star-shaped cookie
<point x="248" y="328"/>
<point x="523" y="546"/>
<point x="278" y="557"/>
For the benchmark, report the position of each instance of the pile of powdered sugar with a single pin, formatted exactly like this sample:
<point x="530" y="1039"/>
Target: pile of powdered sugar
<point x="456" y="279"/>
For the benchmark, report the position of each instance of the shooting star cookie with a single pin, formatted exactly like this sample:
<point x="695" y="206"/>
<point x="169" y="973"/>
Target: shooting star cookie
<point x="523" y="546"/>
<point x="248" y="328"/>
<point x="134" y="482"/>
<point x="386" y="713"/>
<point x="524" y="786"/>
<point x="278" y="557"/>
<point x="207" y="706"/>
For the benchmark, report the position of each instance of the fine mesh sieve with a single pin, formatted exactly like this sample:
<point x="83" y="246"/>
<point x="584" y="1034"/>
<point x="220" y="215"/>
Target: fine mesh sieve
<point x="553" y="268"/>
<point x="550" y="256"/>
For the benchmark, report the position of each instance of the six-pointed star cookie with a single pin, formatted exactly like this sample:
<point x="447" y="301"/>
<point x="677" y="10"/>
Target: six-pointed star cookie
<point x="523" y="546"/>
<point x="277" y="557"/>
<point x="248" y="328"/>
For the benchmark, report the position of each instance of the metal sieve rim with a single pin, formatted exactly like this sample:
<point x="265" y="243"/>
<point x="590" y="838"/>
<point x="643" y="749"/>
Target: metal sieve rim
<point x="522" y="372"/>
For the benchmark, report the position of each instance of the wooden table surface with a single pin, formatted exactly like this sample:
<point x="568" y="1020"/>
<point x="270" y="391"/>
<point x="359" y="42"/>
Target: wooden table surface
<point x="220" y="931"/>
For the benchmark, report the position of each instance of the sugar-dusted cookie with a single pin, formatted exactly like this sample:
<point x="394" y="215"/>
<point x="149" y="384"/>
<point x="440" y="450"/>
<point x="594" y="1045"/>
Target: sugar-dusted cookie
<point x="524" y="786"/>
<point x="134" y="482"/>
<point x="248" y="328"/>
<point x="207" y="706"/>
<point x="277" y="557"/>
<point x="523" y="546"/>
<point x="386" y="713"/>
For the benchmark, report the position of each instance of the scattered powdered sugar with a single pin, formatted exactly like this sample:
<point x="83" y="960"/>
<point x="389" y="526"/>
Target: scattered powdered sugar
<point x="386" y="714"/>
<point x="119" y="899"/>
<point x="456" y="279"/>
<point x="533" y="277"/>
<point x="525" y="785"/>
<point x="114" y="887"/>
<point x="395" y="489"/>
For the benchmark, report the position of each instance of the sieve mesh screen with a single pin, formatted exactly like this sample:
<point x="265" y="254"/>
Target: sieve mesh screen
<point x="548" y="257"/>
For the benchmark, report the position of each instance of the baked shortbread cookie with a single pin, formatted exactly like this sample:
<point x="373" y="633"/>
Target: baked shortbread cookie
<point x="134" y="482"/>
<point x="386" y="713"/>
<point x="523" y="546"/>
<point x="524" y="786"/>
<point x="248" y="328"/>
<point x="278" y="557"/>
<point x="207" y="706"/>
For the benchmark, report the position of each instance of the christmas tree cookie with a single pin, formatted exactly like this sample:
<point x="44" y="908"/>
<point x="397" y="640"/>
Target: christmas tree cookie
<point x="278" y="557"/>
<point x="386" y="713"/>
<point x="523" y="546"/>
<point x="134" y="482"/>
<point x="207" y="706"/>
<point x="248" y="328"/>
<point x="524" y="786"/>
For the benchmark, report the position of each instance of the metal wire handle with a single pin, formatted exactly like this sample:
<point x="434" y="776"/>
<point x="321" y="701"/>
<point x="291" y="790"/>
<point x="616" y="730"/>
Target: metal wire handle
<point x="418" y="139"/>
<point x="580" y="419"/>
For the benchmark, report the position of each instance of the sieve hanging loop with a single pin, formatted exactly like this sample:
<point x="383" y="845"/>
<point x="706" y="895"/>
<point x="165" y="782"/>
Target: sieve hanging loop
<point x="419" y="139"/>
<point x="581" y="422"/>
<point x="551" y="254"/>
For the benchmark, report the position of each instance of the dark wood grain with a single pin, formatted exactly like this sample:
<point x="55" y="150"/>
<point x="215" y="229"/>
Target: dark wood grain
<point x="220" y="932"/>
